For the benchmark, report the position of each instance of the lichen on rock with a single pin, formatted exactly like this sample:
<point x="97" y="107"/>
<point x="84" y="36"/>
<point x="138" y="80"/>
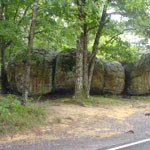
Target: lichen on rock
<point x="114" y="78"/>
<point x="41" y="71"/>
<point x="140" y="76"/>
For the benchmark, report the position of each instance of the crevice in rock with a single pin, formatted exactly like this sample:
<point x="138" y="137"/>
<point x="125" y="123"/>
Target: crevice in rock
<point x="125" y="92"/>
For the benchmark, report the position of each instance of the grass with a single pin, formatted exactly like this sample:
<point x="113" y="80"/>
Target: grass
<point x="141" y="98"/>
<point x="15" y="117"/>
<point x="92" y="100"/>
<point x="101" y="100"/>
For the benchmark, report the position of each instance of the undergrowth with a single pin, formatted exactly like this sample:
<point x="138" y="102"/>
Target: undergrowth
<point x="15" y="117"/>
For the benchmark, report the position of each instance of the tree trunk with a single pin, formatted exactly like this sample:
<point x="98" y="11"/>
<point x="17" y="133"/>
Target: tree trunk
<point x="85" y="61"/>
<point x="4" y="81"/>
<point x="85" y="66"/>
<point x="81" y="78"/>
<point x="26" y="90"/>
<point x="79" y="69"/>
<point x="95" y="46"/>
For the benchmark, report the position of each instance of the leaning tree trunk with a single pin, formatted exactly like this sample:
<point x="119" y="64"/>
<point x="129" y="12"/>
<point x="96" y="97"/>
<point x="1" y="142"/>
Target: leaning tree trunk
<point x="95" y="46"/>
<point x="26" y="90"/>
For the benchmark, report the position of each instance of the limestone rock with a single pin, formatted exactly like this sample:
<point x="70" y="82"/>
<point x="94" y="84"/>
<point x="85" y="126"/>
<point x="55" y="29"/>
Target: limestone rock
<point x="114" y="78"/>
<point x="41" y="71"/>
<point x="65" y="73"/>
<point x="65" y="70"/>
<point x="139" y="83"/>
<point x="53" y="71"/>
<point x="97" y="84"/>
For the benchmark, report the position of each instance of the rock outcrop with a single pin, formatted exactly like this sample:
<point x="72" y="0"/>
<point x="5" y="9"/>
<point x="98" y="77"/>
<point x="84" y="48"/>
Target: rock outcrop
<point x="139" y="80"/>
<point x="51" y="71"/>
<point x="97" y="85"/>
<point x="41" y="71"/>
<point x="114" y="78"/>
<point x="65" y="70"/>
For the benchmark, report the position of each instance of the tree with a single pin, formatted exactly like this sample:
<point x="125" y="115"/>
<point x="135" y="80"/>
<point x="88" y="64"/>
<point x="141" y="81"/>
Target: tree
<point x="84" y="63"/>
<point x="87" y="25"/>
<point x="12" y="23"/>
<point x="85" y="66"/>
<point x="3" y="45"/>
<point x="29" y="53"/>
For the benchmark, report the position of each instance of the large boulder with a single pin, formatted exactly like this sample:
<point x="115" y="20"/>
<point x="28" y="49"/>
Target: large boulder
<point x="65" y="73"/>
<point x="139" y="82"/>
<point x="41" y="71"/>
<point x="64" y="79"/>
<point x="108" y="77"/>
<point x="51" y="71"/>
<point x="97" y="85"/>
<point x="114" y="78"/>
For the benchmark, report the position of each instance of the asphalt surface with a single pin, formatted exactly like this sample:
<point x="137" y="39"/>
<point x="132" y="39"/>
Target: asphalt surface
<point x="143" y="146"/>
<point x="141" y="130"/>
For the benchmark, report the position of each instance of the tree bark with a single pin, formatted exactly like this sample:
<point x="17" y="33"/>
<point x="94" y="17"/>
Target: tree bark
<point x="95" y="46"/>
<point x="81" y="77"/>
<point x="84" y="64"/>
<point x="79" y="68"/>
<point x="26" y="89"/>
<point x="85" y="61"/>
<point x="4" y="82"/>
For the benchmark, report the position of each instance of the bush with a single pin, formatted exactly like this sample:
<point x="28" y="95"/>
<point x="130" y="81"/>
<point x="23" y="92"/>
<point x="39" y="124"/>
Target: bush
<point x="15" y="117"/>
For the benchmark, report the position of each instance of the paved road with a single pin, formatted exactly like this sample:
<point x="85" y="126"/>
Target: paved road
<point x="141" y="128"/>
<point x="143" y="146"/>
<point x="138" y="145"/>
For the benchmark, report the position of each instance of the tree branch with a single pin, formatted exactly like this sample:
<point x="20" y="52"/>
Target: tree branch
<point x="17" y="9"/>
<point x="38" y="32"/>
<point x="118" y="13"/>
<point x="99" y="32"/>
<point x="24" y="14"/>
<point x="116" y="35"/>
<point x="89" y="29"/>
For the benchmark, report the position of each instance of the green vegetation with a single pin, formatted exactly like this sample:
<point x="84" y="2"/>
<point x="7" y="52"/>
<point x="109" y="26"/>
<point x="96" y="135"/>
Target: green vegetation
<point x="15" y="117"/>
<point x="115" y="100"/>
<point x="100" y="27"/>
<point x="100" y="100"/>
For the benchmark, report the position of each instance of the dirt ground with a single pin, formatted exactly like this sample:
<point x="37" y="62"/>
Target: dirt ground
<point x="70" y="120"/>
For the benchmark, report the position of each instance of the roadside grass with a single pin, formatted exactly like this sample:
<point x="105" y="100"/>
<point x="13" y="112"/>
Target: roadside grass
<point x="140" y="98"/>
<point x="100" y="100"/>
<point x="14" y="117"/>
<point x="92" y="100"/>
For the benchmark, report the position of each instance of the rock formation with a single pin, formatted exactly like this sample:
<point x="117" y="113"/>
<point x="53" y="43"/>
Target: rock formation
<point x="139" y="80"/>
<point x="41" y="71"/>
<point x="51" y="71"/>
<point x="114" y="78"/>
<point x="65" y="70"/>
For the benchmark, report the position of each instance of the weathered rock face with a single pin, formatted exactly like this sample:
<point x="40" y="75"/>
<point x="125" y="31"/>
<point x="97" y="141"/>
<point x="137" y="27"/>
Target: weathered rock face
<point x="139" y="82"/>
<point x="51" y="71"/>
<point x="65" y="70"/>
<point x="97" y="85"/>
<point x="114" y="78"/>
<point x="65" y="73"/>
<point x="107" y="77"/>
<point x="41" y="71"/>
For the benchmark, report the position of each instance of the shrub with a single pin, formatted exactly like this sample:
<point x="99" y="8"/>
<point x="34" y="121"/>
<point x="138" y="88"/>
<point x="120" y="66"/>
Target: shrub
<point x="15" y="117"/>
